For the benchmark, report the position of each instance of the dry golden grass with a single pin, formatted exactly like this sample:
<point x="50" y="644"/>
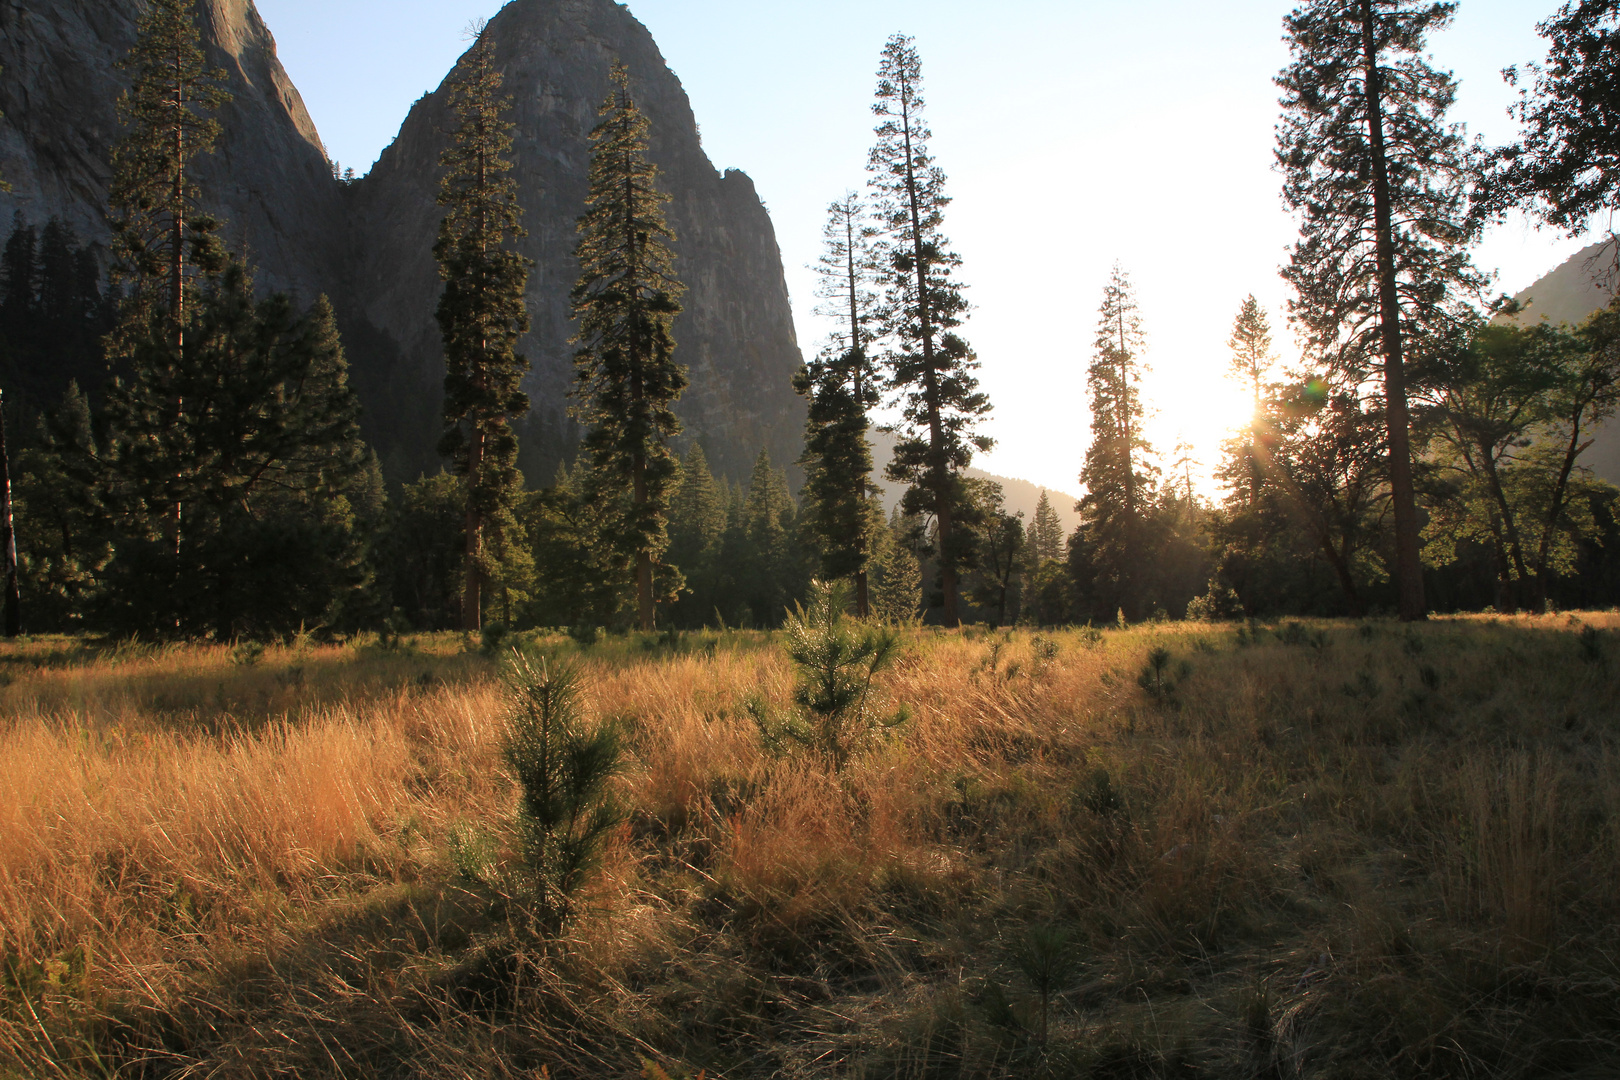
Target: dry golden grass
<point x="1331" y="850"/>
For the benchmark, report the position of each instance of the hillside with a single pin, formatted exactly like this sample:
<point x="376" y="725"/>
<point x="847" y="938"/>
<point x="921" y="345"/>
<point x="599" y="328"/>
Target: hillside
<point x="1584" y="283"/>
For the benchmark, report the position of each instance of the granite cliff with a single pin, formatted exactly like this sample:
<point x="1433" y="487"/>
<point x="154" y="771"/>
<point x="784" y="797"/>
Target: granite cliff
<point x="269" y="179"/>
<point x="368" y="244"/>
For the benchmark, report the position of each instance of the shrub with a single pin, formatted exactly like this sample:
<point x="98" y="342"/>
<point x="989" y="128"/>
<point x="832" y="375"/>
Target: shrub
<point x="837" y="710"/>
<point x="564" y="768"/>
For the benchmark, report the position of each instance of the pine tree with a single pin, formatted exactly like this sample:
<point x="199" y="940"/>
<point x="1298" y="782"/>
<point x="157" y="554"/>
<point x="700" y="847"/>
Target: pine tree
<point x="162" y="241"/>
<point x="697" y="528"/>
<point x="930" y="365"/>
<point x="896" y="572"/>
<point x="842" y="384"/>
<point x="481" y="317"/>
<point x="1117" y="476"/>
<point x="625" y="301"/>
<point x="1378" y="180"/>
<point x="1252" y="358"/>
<point x="1002" y="554"/>
<point x="1045" y="533"/>
<point x="264" y="458"/>
<point x="1566" y="164"/>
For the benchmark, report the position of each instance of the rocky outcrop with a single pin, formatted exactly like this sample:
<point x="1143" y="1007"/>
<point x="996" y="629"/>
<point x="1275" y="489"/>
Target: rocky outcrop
<point x="736" y="335"/>
<point x="369" y="244"/>
<point x="270" y="179"/>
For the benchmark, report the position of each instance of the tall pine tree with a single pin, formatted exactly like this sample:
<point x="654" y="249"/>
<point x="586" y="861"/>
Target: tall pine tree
<point x="1252" y="358"/>
<point x="842" y="384"/>
<point x="1045" y="533"/>
<point x="627" y="379"/>
<point x="162" y="240"/>
<point x="930" y="365"/>
<point x="1377" y="178"/>
<point x="481" y="317"/>
<point x="1112" y="547"/>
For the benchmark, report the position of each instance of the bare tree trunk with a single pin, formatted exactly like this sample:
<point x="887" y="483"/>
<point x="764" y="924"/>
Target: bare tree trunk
<point x="1408" y="562"/>
<point x="13" y="593"/>
<point x="940" y="479"/>
<point x="472" y="606"/>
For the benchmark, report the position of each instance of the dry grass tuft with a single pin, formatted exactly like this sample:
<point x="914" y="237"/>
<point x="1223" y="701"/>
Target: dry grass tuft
<point x="1323" y="849"/>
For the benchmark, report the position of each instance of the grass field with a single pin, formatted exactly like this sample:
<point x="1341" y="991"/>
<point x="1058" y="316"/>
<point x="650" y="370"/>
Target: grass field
<point x="1297" y="850"/>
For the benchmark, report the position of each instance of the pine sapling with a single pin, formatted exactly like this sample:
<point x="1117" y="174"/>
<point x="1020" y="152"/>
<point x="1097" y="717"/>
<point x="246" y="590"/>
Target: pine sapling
<point x="837" y="709"/>
<point x="564" y="769"/>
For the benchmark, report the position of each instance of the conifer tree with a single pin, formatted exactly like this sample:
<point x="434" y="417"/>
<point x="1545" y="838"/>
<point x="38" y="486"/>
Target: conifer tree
<point x="1252" y="359"/>
<point x="482" y="316"/>
<point x="697" y="528"/>
<point x="1045" y="533"/>
<point x="161" y="239"/>
<point x="625" y="301"/>
<point x="1378" y="179"/>
<point x="842" y="384"/>
<point x="1566" y="165"/>
<point x="265" y="457"/>
<point x="1117" y="476"/>
<point x="930" y="366"/>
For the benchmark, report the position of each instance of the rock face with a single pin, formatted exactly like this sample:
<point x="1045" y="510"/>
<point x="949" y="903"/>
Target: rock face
<point x="368" y="245"/>
<point x="736" y="335"/>
<point x="269" y="179"/>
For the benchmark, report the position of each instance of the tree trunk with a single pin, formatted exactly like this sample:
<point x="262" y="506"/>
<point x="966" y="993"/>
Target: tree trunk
<point x="1555" y="511"/>
<point x="13" y="614"/>
<point x="940" y="480"/>
<point x="644" y="567"/>
<point x="472" y="591"/>
<point x="863" y="594"/>
<point x="1408" y="562"/>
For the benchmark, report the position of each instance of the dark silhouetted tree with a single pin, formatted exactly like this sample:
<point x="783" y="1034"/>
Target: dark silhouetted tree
<point x="482" y="316"/>
<point x="626" y="299"/>
<point x="1382" y="268"/>
<point x="930" y="365"/>
<point x="841" y="385"/>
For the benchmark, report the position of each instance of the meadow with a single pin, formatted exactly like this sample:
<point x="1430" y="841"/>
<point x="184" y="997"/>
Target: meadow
<point x="1303" y="849"/>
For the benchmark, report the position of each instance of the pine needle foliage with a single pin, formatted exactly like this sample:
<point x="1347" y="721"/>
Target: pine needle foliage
<point x="627" y="380"/>
<point x="482" y="315"/>
<point x="1252" y="360"/>
<point x="248" y="428"/>
<point x="161" y="238"/>
<point x="1565" y="164"/>
<point x="1382" y="269"/>
<point x="1117" y="478"/>
<point x="842" y="384"/>
<point x="564" y="768"/>
<point x="930" y="365"/>
<point x="837" y="710"/>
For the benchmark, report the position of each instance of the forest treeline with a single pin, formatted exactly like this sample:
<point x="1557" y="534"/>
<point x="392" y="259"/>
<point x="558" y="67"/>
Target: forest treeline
<point x="186" y="458"/>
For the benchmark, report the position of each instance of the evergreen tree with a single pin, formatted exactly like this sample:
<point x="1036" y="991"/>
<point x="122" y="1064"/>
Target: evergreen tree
<point x="265" y="459"/>
<point x="1120" y="483"/>
<point x="1566" y="165"/>
<point x="766" y="559"/>
<point x="930" y="365"/>
<point x="697" y="528"/>
<point x="896" y="572"/>
<point x="54" y="314"/>
<point x="1252" y="358"/>
<point x="580" y="580"/>
<point x="418" y="555"/>
<point x="625" y="301"/>
<point x="1002" y="553"/>
<point x="842" y="385"/>
<point x="1377" y="177"/>
<point x="162" y="241"/>
<point x="482" y="316"/>
<point x="1045" y="533"/>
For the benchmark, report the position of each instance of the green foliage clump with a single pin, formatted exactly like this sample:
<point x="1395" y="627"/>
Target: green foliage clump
<point x="838" y="711"/>
<point x="564" y="768"/>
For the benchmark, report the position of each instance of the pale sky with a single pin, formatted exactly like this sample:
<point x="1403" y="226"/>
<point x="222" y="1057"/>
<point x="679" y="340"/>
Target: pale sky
<point x="1074" y="134"/>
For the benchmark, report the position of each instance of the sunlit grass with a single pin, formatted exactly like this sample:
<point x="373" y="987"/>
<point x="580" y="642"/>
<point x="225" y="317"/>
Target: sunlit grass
<point x="1312" y="848"/>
